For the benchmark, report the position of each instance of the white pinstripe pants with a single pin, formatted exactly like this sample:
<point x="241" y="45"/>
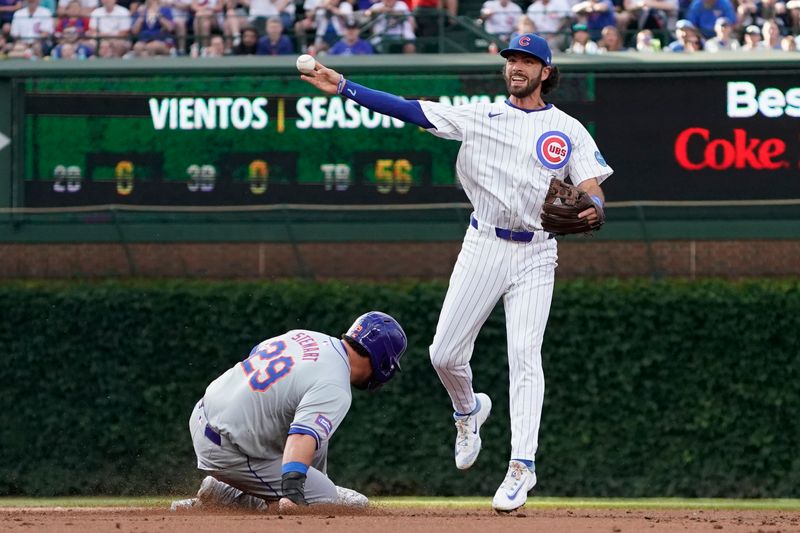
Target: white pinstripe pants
<point x="523" y="274"/>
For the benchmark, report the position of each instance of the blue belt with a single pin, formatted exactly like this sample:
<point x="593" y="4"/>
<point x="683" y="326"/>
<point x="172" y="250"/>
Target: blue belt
<point x="213" y="436"/>
<point x="507" y="234"/>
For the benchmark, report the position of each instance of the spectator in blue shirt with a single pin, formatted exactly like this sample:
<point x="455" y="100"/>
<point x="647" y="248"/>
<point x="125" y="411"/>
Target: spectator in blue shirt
<point x="351" y="44"/>
<point x="704" y="14"/>
<point x="153" y="27"/>
<point x="274" y="43"/>
<point x="597" y="14"/>
<point x="70" y="47"/>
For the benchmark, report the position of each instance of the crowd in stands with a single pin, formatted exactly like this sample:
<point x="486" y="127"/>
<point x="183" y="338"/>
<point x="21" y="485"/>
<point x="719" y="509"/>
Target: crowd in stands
<point x="685" y="26"/>
<point x="86" y="29"/>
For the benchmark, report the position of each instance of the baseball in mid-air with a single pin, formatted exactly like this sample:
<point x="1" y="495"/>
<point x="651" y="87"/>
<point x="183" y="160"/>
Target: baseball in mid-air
<point x="306" y="64"/>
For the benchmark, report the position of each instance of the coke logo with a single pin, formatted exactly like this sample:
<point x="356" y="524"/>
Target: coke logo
<point x="696" y="150"/>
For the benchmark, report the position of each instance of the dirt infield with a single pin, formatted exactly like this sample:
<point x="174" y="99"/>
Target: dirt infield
<point x="408" y="520"/>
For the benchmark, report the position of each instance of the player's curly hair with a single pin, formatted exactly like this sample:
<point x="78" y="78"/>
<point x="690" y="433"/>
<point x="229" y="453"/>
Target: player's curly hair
<point x="551" y="83"/>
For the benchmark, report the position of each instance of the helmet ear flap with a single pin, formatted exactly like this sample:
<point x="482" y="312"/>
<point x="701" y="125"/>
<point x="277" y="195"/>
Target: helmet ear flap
<point x="387" y="368"/>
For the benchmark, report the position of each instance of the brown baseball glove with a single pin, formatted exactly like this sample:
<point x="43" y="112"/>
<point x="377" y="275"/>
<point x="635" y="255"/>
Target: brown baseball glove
<point x="562" y="205"/>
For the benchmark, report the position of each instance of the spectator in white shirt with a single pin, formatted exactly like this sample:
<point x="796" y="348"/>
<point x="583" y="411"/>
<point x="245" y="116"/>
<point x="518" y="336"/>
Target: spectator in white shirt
<point x="500" y="17"/>
<point x="111" y="22"/>
<point x="551" y="18"/>
<point x="394" y="24"/>
<point x="262" y="10"/>
<point x="33" y="23"/>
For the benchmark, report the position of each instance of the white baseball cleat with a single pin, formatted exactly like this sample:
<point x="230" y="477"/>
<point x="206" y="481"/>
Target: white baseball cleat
<point x="216" y="493"/>
<point x="350" y="498"/>
<point x="211" y="493"/>
<point x="182" y="505"/>
<point x="468" y="438"/>
<point x="513" y="492"/>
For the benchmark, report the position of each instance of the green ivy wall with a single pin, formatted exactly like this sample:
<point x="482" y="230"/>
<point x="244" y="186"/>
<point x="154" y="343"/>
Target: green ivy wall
<point x="653" y="389"/>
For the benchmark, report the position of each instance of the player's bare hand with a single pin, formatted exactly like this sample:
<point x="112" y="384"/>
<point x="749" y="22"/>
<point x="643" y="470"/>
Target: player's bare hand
<point x="287" y="506"/>
<point x="590" y="214"/>
<point x="323" y="78"/>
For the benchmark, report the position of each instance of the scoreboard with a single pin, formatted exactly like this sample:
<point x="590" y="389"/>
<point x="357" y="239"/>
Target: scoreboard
<point x="253" y="140"/>
<point x="223" y="139"/>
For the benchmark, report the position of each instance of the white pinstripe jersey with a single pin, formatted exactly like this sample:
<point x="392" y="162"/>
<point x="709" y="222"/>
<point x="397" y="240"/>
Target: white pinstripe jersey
<point x="297" y="382"/>
<point x="508" y="156"/>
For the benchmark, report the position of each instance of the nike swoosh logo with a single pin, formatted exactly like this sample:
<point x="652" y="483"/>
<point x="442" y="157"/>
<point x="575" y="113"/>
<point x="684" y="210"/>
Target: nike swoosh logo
<point x="352" y="92"/>
<point x="512" y="495"/>
<point x="492" y="115"/>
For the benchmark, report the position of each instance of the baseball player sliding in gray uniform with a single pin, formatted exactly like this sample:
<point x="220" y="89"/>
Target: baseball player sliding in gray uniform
<point x="509" y="153"/>
<point x="261" y="430"/>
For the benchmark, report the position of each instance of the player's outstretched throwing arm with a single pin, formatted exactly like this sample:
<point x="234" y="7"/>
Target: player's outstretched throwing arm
<point x="331" y="82"/>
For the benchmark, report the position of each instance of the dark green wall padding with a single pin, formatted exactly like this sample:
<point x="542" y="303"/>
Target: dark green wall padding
<point x="653" y="389"/>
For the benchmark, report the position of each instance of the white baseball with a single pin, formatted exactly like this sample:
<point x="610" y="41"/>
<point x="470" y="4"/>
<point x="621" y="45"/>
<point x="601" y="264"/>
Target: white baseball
<point x="306" y="64"/>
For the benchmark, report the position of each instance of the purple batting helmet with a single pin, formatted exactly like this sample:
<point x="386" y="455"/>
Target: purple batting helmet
<point x="384" y="340"/>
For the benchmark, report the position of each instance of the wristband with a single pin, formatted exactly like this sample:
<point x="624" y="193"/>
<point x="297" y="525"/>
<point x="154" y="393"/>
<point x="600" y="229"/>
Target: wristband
<point x="340" y="86"/>
<point x="597" y="200"/>
<point x="294" y="466"/>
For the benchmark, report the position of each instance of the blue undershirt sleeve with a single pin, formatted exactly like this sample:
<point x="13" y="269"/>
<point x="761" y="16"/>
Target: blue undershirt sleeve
<point x="386" y="104"/>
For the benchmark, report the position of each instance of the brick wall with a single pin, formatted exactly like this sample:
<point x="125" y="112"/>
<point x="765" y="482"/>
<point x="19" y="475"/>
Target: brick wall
<point x="382" y="261"/>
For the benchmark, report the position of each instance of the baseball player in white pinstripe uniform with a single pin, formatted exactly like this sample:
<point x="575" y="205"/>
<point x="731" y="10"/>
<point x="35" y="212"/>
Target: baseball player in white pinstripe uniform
<point x="509" y="153"/>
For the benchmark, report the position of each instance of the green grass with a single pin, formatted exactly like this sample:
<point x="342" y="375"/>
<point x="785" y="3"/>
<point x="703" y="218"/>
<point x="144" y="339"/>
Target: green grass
<point x="87" y="501"/>
<point x="402" y="502"/>
<point x="603" y="503"/>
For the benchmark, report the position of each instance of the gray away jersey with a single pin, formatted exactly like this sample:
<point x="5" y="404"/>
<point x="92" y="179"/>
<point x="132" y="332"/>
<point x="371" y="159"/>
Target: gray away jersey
<point x="508" y="156"/>
<point x="298" y="382"/>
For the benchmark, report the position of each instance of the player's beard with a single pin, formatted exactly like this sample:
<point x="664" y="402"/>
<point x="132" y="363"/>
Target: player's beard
<point x="525" y="91"/>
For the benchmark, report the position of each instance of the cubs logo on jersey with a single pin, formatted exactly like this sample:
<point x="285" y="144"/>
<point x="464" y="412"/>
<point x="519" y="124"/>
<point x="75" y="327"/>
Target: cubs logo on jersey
<point x="553" y="149"/>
